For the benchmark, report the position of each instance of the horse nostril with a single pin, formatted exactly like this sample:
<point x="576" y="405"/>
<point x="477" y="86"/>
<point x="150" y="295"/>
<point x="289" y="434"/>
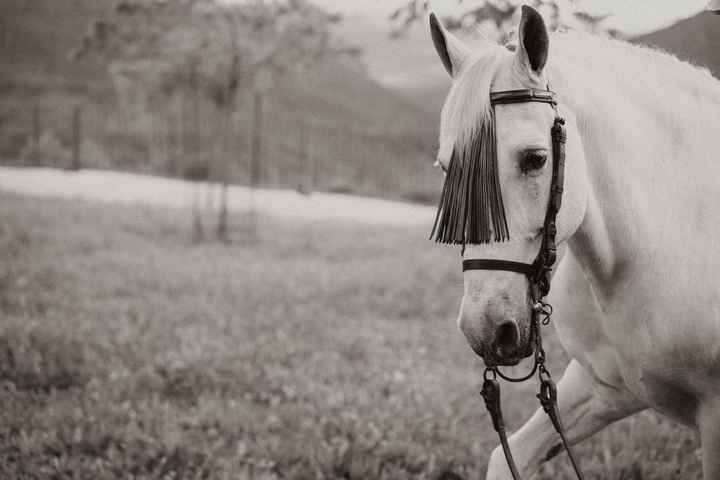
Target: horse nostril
<point x="506" y="339"/>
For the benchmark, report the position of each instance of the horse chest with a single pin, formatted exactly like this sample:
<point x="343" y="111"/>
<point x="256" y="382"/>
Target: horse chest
<point x="667" y="364"/>
<point x="647" y="348"/>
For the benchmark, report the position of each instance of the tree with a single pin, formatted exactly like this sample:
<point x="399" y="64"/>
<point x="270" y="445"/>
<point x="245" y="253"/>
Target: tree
<point x="208" y="51"/>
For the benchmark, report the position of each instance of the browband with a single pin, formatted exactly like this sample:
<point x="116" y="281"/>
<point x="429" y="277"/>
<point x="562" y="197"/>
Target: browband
<point x="523" y="95"/>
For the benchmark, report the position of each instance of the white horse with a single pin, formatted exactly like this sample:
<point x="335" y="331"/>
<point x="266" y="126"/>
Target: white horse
<point x="636" y="294"/>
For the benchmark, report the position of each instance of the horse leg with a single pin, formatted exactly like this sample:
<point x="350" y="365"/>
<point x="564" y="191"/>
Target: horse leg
<point x="708" y="422"/>
<point x="585" y="408"/>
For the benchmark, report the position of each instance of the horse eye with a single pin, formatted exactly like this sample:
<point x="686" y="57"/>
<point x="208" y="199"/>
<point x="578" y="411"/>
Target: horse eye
<point x="531" y="161"/>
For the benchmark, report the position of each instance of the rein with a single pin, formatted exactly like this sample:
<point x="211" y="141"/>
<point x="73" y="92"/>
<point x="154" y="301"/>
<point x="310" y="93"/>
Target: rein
<point x="455" y="225"/>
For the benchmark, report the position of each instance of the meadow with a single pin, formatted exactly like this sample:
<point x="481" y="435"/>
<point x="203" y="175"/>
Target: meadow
<point x="297" y="351"/>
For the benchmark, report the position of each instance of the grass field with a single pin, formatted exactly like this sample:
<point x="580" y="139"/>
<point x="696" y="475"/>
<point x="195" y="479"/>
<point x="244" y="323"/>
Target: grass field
<point x="306" y="351"/>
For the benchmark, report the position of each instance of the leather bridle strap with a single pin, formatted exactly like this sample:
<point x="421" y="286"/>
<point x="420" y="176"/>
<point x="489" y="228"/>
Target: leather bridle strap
<point x="538" y="274"/>
<point x="523" y="96"/>
<point x="492" y="264"/>
<point x="491" y="394"/>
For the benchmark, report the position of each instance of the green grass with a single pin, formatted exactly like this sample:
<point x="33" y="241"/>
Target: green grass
<point x="310" y="350"/>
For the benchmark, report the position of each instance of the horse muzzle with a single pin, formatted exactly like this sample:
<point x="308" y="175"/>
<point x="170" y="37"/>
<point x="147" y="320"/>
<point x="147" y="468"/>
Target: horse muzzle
<point x="508" y="344"/>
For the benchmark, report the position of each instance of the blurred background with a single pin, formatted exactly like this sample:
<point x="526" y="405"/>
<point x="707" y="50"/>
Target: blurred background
<point x="213" y="237"/>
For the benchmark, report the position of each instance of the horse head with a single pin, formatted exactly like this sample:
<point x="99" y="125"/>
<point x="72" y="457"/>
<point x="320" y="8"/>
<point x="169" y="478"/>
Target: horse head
<point x="496" y="311"/>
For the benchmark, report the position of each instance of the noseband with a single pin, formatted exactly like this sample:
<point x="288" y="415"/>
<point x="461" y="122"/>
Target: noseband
<point x="538" y="273"/>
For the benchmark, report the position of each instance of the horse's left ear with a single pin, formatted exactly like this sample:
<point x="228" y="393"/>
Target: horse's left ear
<point x="533" y="44"/>
<point x="452" y="51"/>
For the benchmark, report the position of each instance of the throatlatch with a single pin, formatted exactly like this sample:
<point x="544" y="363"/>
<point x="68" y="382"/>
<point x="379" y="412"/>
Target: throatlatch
<point x="471" y="212"/>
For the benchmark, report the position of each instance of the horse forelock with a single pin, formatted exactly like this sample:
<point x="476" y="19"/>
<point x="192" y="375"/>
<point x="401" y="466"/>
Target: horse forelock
<point x="628" y="76"/>
<point x="467" y="106"/>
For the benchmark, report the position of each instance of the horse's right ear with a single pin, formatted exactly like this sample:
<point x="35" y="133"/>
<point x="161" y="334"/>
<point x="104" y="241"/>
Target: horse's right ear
<point x="451" y="50"/>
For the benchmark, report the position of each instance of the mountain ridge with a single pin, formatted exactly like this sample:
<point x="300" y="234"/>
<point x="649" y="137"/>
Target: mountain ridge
<point x="695" y="39"/>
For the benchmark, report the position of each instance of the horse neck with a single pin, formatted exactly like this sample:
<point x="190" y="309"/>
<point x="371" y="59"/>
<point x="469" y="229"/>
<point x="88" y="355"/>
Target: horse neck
<point x="652" y="178"/>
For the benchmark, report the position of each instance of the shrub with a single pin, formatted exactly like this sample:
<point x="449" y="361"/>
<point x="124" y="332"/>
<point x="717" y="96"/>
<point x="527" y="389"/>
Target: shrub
<point x="49" y="151"/>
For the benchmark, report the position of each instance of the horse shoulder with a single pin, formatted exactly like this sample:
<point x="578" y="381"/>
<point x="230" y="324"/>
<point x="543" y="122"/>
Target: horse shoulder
<point x="580" y="324"/>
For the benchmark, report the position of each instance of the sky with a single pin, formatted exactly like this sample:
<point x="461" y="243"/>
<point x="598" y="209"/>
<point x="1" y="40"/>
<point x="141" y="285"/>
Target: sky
<point x="629" y="16"/>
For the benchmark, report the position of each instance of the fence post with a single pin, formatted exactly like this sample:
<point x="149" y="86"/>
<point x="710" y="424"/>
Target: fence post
<point x="356" y="172"/>
<point x="256" y="146"/>
<point x="304" y="174"/>
<point x="168" y="143"/>
<point x="255" y="152"/>
<point x="36" y="135"/>
<point x="77" y="132"/>
<point x="315" y="167"/>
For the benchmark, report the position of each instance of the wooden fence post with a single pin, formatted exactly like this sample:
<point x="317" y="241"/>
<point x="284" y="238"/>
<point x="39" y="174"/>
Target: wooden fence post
<point x="77" y="139"/>
<point x="256" y="146"/>
<point x="36" y="135"/>
<point x="304" y="173"/>
<point x="315" y="166"/>
<point x="255" y="153"/>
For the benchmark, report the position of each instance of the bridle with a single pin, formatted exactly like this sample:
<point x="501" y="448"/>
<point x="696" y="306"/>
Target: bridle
<point x="539" y="274"/>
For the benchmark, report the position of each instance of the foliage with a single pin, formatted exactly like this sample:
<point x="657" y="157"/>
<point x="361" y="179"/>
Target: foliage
<point x="208" y="45"/>
<point x="128" y="352"/>
<point x="49" y="151"/>
<point x="501" y="16"/>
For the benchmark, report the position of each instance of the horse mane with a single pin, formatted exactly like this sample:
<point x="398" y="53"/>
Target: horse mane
<point x="598" y="51"/>
<point x="676" y="90"/>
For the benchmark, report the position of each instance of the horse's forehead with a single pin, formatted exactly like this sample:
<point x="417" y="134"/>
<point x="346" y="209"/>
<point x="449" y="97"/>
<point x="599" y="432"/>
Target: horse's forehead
<point x="506" y="77"/>
<point x="523" y="122"/>
<point x="470" y="96"/>
<point x="467" y="103"/>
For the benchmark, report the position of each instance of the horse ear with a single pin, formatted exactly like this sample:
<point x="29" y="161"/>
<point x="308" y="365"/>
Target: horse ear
<point x="533" y="43"/>
<point x="451" y="50"/>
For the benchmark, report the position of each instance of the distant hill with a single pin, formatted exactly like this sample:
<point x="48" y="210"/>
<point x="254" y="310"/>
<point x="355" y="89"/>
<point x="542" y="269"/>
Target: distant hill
<point x="695" y="39"/>
<point x="407" y="64"/>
